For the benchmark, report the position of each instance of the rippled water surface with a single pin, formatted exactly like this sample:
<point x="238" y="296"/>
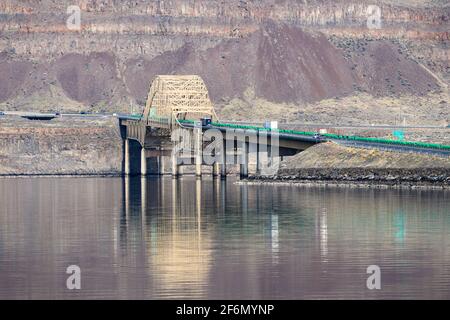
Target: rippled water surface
<point x="210" y="239"/>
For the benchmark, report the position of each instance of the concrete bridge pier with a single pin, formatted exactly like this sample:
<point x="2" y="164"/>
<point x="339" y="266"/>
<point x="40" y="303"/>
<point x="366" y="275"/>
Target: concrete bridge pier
<point x="132" y="158"/>
<point x="198" y="152"/>
<point x="223" y="171"/>
<point x="127" y="169"/>
<point x="216" y="169"/>
<point x="161" y="163"/>
<point x="177" y="169"/>
<point x="198" y="167"/>
<point x="175" y="166"/>
<point x="258" y="159"/>
<point x="223" y="160"/>
<point x="143" y="198"/>
<point x="244" y="160"/>
<point x="143" y="162"/>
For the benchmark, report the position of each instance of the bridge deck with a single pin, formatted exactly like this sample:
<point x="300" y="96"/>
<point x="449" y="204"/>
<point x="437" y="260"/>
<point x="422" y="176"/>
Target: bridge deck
<point x="307" y="136"/>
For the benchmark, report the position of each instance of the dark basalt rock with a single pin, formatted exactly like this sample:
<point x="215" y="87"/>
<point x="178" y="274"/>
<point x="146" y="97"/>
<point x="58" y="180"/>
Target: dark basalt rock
<point x="428" y="176"/>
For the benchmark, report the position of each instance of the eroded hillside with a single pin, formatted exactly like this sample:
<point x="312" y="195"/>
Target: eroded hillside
<point x="278" y="58"/>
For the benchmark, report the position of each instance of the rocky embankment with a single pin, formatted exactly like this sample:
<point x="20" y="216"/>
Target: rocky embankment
<point x="60" y="147"/>
<point x="332" y="164"/>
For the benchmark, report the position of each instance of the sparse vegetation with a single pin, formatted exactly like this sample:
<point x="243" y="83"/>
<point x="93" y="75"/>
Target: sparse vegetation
<point x="331" y="155"/>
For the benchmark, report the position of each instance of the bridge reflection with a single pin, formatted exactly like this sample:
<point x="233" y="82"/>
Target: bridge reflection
<point x="200" y="237"/>
<point x="161" y="212"/>
<point x="174" y="223"/>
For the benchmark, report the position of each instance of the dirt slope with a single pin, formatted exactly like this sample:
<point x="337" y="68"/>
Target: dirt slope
<point x="331" y="155"/>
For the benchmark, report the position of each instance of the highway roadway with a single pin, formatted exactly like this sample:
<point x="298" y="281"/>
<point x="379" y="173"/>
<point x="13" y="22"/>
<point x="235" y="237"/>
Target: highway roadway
<point x="351" y="143"/>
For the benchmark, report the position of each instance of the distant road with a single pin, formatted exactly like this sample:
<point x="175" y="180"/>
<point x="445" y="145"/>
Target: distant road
<point x="63" y="115"/>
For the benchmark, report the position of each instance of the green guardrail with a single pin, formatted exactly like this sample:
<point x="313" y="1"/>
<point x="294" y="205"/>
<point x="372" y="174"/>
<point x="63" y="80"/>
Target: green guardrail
<point x="333" y="136"/>
<point x="135" y="116"/>
<point x="159" y="119"/>
<point x="153" y="118"/>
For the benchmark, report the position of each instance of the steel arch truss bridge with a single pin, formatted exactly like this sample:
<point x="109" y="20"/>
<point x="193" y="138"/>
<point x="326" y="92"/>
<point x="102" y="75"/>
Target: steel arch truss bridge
<point x="172" y="98"/>
<point x="177" y="102"/>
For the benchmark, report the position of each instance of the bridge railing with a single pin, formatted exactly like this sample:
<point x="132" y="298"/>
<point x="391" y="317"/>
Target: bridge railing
<point x="168" y="123"/>
<point x="390" y="142"/>
<point x="159" y="120"/>
<point x="134" y="116"/>
<point x="334" y="136"/>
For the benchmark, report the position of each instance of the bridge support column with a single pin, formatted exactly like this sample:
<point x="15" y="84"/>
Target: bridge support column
<point x="161" y="166"/>
<point x="244" y="160"/>
<point x="216" y="169"/>
<point x="258" y="159"/>
<point x="127" y="168"/>
<point x="198" y="152"/>
<point x="223" y="159"/>
<point x="143" y="162"/>
<point x="161" y="161"/>
<point x="143" y="197"/>
<point x="198" y="168"/>
<point x="175" y="166"/>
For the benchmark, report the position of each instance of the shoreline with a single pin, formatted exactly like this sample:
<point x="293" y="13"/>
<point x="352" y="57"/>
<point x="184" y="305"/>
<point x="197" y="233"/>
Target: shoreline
<point x="424" y="178"/>
<point x="343" y="184"/>
<point x="62" y="175"/>
<point x="349" y="182"/>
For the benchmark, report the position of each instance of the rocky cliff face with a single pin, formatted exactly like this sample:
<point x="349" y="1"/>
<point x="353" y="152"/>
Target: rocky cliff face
<point x="59" y="147"/>
<point x="282" y="51"/>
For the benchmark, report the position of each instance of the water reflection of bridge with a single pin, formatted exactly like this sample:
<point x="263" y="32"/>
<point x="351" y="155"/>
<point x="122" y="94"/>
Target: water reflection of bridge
<point x="171" y="227"/>
<point x="174" y="222"/>
<point x="193" y="235"/>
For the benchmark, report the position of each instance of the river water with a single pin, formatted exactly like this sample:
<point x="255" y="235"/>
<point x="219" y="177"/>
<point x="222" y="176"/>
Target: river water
<point x="161" y="238"/>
